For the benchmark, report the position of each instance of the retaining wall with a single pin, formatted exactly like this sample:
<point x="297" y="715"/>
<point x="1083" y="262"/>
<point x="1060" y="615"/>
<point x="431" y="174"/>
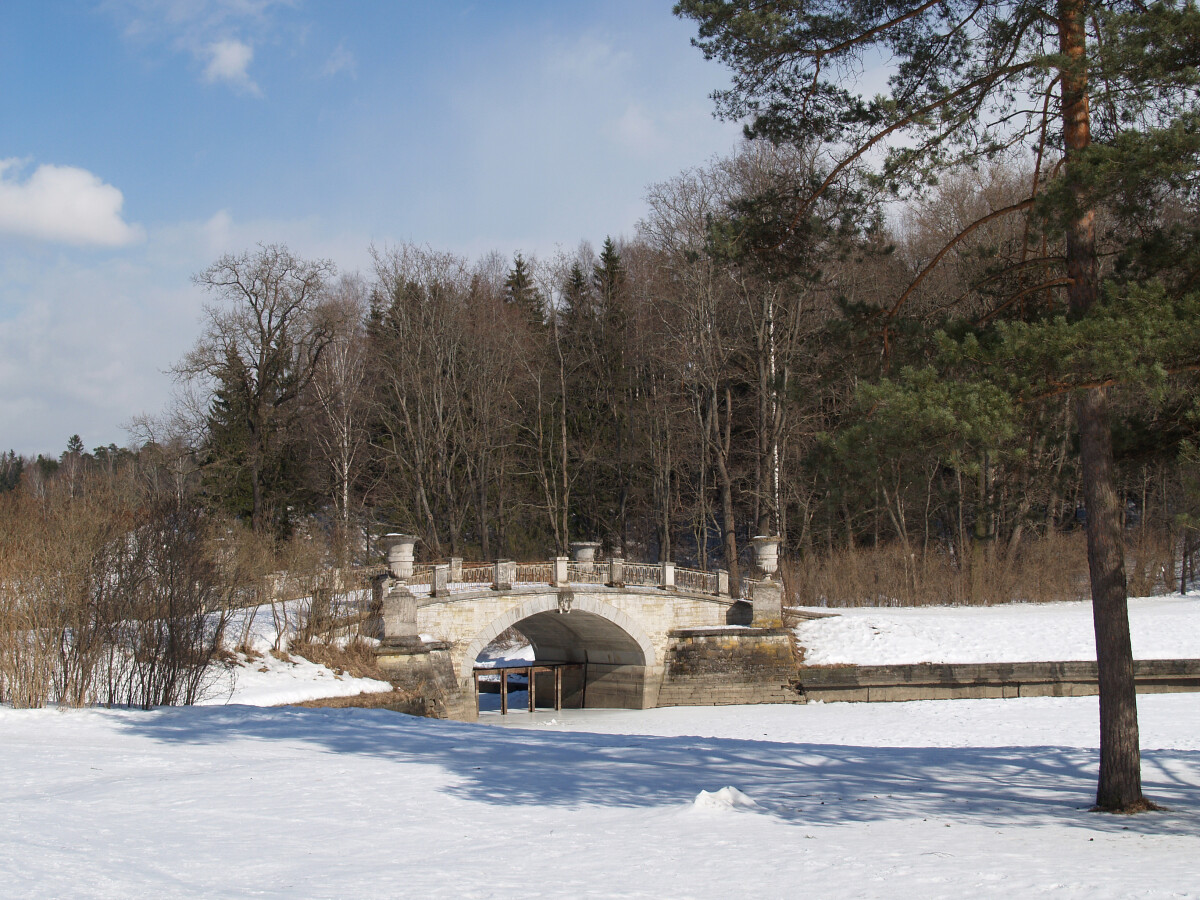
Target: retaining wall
<point x="944" y="681"/>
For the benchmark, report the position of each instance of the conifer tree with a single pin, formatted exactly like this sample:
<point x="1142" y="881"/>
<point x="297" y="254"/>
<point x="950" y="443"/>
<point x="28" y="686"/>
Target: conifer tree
<point x="521" y="293"/>
<point x="11" y="467"/>
<point x="1101" y="97"/>
<point x="260" y="349"/>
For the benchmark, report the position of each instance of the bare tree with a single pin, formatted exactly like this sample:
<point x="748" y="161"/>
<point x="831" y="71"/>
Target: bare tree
<point x="419" y="344"/>
<point x="261" y="346"/>
<point x="341" y="390"/>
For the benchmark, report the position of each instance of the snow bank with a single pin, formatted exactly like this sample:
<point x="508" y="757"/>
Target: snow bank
<point x="494" y="656"/>
<point x="1162" y="628"/>
<point x="269" y="681"/>
<point x="262" y="679"/>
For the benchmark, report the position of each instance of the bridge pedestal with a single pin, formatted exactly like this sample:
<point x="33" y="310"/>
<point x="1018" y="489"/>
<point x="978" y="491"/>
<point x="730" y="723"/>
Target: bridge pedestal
<point x="427" y="670"/>
<point x="767" y="598"/>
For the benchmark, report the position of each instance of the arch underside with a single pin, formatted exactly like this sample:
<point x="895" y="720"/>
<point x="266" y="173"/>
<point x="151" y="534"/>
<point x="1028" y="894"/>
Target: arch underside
<point x="611" y="652"/>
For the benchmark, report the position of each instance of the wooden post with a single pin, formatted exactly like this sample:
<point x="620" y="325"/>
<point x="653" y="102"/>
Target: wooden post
<point x="532" y="674"/>
<point x="476" y="674"/>
<point x="557" y="688"/>
<point x="504" y="692"/>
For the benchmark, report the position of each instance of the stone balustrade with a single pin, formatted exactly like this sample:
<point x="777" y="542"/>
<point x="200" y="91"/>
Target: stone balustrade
<point x="560" y="571"/>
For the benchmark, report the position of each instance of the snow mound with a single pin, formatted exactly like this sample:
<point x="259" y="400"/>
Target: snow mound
<point x="727" y="798"/>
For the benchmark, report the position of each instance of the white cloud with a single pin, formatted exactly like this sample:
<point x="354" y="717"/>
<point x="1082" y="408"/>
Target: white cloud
<point x="229" y="61"/>
<point x="340" y="60"/>
<point x="86" y="340"/>
<point x="589" y="59"/>
<point x="194" y="18"/>
<point x="64" y="204"/>
<point x="220" y="34"/>
<point x="638" y="132"/>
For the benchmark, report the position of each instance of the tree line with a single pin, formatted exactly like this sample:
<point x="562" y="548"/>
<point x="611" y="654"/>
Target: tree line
<point x="713" y="377"/>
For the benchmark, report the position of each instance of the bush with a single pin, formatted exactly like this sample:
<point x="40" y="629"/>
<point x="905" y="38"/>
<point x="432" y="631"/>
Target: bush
<point x="103" y="599"/>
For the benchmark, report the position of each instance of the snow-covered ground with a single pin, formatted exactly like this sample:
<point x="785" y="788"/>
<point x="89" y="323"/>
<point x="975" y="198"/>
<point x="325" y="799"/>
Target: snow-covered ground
<point x="263" y="679"/>
<point x="269" y="681"/>
<point x="967" y="798"/>
<point x="1161" y="628"/>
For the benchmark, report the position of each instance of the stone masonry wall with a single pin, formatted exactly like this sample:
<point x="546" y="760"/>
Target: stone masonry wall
<point x="729" y="666"/>
<point x="428" y="674"/>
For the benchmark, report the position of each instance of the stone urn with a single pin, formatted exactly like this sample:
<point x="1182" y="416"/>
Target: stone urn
<point x="585" y="554"/>
<point x="766" y="554"/>
<point x="399" y="549"/>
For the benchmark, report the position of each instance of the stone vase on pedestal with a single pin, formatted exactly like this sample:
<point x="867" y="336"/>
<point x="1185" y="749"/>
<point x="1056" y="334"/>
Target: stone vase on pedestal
<point x="766" y="554"/>
<point x="399" y="549"/>
<point x="585" y="554"/>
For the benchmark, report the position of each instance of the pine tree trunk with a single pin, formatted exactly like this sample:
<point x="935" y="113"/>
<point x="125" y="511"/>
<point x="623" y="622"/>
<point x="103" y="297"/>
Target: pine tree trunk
<point x="1120" y="784"/>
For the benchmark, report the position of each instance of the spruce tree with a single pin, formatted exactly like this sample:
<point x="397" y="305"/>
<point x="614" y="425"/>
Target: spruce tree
<point x="11" y="467"/>
<point x="521" y="293"/>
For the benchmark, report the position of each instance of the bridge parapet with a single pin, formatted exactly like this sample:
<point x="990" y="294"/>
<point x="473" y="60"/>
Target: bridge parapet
<point x="456" y="576"/>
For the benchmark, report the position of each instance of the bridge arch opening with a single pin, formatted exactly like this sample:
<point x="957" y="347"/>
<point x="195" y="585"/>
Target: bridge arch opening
<point x="607" y="653"/>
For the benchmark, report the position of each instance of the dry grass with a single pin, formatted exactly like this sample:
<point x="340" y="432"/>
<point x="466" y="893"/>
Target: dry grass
<point x="1044" y="570"/>
<point x="1150" y="561"/>
<point x="355" y="657"/>
<point x="413" y="703"/>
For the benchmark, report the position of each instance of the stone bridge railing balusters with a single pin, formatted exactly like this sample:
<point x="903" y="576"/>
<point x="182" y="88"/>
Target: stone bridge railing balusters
<point x="559" y="571"/>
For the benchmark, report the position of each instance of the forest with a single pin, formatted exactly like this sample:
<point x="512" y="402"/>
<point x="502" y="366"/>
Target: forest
<point x="942" y="339"/>
<point x="684" y="389"/>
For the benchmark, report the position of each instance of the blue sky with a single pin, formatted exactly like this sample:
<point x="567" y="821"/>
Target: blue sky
<point x="143" y="138"/>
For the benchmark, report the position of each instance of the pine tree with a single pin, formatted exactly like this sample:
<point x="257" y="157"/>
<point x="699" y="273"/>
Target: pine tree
<point x="1106" y="94"/>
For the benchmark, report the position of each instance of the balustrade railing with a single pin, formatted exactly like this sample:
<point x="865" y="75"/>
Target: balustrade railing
<point x="422" y="577"/>
<point x="535" y="573"/>
<point x="588" y="573"/>
<point x="641" y="573"/>
<point x="478" y="573"/>
<point x="695" y="580"/>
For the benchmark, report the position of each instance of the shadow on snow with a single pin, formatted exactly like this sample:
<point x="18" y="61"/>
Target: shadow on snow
<point x="819" y="784"/>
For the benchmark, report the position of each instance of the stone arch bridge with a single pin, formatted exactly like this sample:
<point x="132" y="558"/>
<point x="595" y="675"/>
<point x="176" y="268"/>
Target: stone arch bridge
<point x="633" y="635"/>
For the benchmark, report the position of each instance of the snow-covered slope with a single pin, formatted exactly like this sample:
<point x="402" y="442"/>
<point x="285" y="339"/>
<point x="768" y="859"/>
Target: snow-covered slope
<point x="262" y="678"/>
<point x="1162" y="628"/>
<point x="269" y="681"/>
